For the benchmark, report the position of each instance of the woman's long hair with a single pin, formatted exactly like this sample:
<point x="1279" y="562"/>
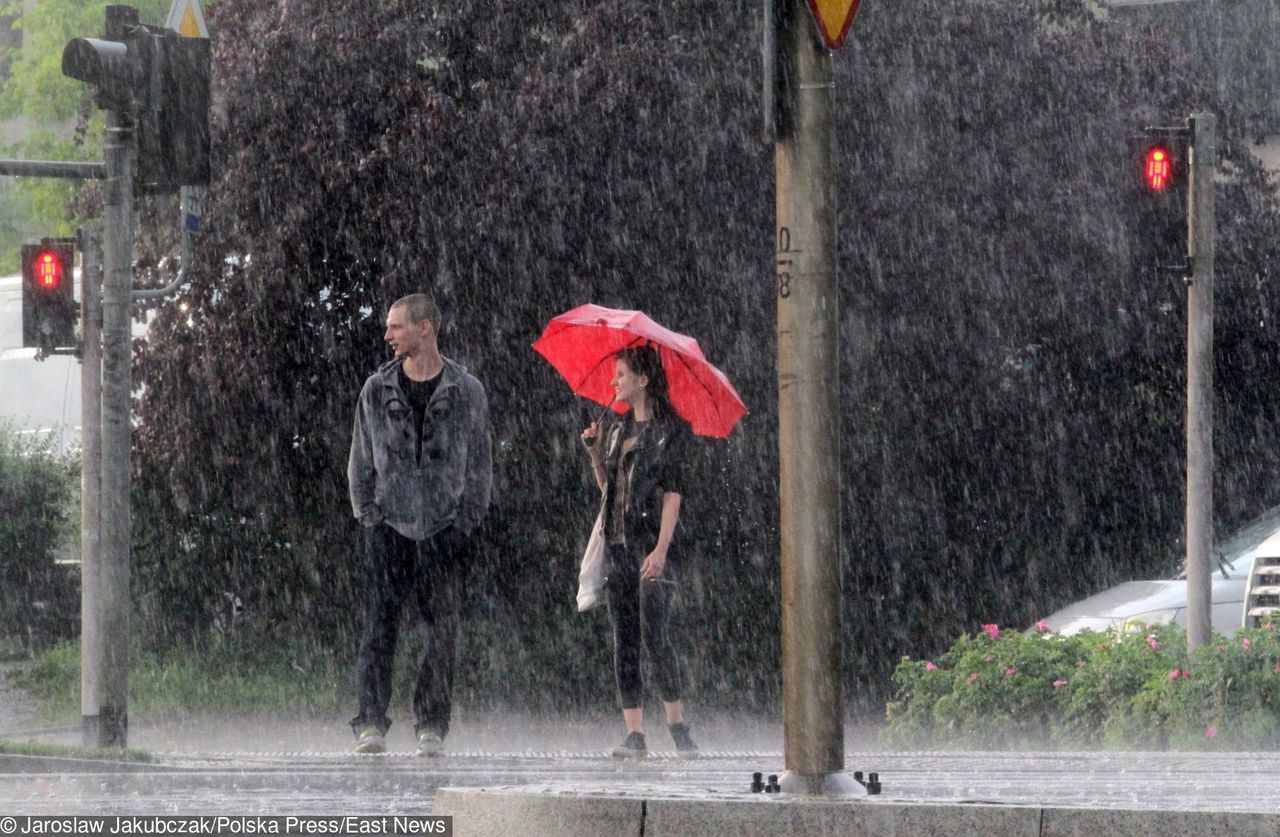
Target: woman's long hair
<point x="644" y="360"/>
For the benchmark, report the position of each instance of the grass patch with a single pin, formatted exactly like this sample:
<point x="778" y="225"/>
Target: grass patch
<point x="32" y="748"/>
<point x="216" y="680"/>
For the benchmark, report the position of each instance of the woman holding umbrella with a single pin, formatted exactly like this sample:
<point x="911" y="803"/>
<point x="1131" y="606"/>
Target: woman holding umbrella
<point x="640" y="469"/>
<point x="666" y="390"/>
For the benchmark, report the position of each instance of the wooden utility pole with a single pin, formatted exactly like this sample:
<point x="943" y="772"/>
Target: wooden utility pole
<point x="1201" y="233"/>
<point x="809" y="409"/>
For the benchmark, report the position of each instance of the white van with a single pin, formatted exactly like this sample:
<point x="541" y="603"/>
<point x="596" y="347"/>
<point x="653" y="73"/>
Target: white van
<point x="39" y="399"/>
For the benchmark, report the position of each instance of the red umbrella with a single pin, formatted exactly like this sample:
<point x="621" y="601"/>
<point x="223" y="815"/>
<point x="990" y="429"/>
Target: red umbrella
<point x="581" y="344"/>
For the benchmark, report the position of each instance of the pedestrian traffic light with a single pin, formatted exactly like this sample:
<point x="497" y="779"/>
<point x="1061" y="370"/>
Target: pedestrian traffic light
<point x="1162" y="219"/>
<point x="48" y="309"/>
<point x="1158" y="168"/>
<point x="159" y="82"/>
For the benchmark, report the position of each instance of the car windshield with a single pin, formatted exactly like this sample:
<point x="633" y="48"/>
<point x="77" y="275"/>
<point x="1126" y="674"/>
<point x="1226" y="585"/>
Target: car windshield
<point x="1234" y="553"/>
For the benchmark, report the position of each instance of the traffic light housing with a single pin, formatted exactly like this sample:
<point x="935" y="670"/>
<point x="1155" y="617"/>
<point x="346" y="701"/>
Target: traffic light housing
<point x="1161" y="169"/>
<point x="48" y="308"/>
<point x="159" y="81"/>
<point x="173" y="109"/>
<point x="104" y="64"/>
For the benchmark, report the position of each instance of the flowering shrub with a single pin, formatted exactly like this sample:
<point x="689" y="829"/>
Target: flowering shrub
<point x="1010" y="689"/>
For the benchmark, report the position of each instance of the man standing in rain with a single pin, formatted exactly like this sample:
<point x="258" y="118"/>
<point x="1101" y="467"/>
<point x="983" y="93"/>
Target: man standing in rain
<point x="419" y="472"/>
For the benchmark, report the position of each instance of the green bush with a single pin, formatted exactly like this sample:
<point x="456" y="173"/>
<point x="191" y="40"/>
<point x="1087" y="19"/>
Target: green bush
<point x="40" y="599"/>
<point x="1134" y="690"/>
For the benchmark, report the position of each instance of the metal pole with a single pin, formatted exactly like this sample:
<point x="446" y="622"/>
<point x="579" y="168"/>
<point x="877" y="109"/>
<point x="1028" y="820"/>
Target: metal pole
<point x="1200" y="238"/>
<point x="808" y="410"/>
<point x="90" y="486"/>
<point x="116" y="429"/>
<point x="45" y="168"/>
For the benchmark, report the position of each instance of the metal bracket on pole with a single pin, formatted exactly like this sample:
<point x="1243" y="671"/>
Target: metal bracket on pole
<point x="51" y="168"/>
<point x="191" y="201"/>
<point x="1174" y="132"/>
<point x="157" y="293"/>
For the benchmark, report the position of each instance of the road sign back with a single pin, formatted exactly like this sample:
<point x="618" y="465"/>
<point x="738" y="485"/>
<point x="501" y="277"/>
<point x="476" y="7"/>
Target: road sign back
<point x="833" y="18"/>
<point x="187" y="19"/>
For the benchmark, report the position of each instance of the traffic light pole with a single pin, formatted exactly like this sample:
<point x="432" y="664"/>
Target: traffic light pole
<point x="90" y="486"/>
<point x="1201" y="232"/>
<point x="116" y="429"/>
<point x="808" y="410"/>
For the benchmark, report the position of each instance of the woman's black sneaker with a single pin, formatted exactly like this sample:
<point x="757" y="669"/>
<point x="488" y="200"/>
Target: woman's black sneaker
<point x="632" y="748"/>
<point x="685" y="748"/>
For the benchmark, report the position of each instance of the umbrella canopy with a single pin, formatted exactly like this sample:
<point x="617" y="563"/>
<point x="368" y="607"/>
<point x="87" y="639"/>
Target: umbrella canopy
<point x="581" y="344"/>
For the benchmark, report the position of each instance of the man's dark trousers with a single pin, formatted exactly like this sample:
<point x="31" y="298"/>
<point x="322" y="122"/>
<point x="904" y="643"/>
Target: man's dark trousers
<point x="429" y="572"/>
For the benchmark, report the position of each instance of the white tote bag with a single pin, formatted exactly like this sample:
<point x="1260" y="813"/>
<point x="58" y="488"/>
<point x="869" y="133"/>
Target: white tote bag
<point x="591" y="574"/>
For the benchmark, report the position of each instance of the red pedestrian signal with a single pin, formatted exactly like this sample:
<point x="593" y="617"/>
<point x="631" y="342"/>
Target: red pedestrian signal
<point x="48" y="269"/>
<point x="1158" y="168"/>
<point x="48" y="308"/>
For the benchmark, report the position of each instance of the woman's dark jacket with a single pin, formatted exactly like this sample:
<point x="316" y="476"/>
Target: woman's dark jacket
<point x="660" y="458"/>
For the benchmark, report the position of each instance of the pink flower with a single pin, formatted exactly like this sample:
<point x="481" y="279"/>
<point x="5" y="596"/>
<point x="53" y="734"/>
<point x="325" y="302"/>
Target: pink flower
<point x="1276" y="669"/>
<point x="1009" y="672"/>
<point x="1042" y="626"/>
<point x="1211" y="732"/>
<point x="1245" y="643"/>
<point x="971" y="678"/>
<point x="1104" y="645"/>
<point x="992" y="630"/>
<point x="1173" y="675"/>
<point x="1153" y="642"/>
<point x="1058" y="684"/>
<point x="928" y="666"/>
<point x="987" y="659"/>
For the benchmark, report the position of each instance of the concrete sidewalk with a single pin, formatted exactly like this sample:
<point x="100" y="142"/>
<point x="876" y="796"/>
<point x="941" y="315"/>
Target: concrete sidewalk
<point x="511" y="774"/>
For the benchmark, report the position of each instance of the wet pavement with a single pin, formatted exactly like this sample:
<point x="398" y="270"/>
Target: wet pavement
<point x="248" y="767"/>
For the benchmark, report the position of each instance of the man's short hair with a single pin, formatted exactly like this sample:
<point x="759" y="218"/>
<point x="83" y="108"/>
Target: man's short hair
<point x="420" y="307"/>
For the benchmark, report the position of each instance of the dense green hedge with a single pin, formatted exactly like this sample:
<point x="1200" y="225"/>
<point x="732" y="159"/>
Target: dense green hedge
<point x="1135" y="690"/>
<point x="39" y="600"/>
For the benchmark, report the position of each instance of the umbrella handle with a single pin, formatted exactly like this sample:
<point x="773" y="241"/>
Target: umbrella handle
<point x="600" y="417"/>
<point x="586" y="414"/>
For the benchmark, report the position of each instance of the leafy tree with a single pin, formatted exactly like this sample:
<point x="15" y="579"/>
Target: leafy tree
<point x="48" y="116"/>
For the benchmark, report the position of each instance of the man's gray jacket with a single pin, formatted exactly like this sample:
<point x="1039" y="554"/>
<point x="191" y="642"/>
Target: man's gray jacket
<point x="449" y="484"/>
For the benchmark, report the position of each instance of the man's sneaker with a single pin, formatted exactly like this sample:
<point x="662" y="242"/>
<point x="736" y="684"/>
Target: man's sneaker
<point x="685" y="748"/>
<point x="371" y="740"/>
<point x="632" y="748"/>
<point x="430" y="744"/>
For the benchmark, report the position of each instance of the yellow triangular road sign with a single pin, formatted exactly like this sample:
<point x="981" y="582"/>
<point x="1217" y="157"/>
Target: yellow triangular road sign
<point x="833" y="18"/>
<point x="187" y="19"/>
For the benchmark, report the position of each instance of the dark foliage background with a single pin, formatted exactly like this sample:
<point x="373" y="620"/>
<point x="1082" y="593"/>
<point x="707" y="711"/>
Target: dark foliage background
<point x="37" y="498"/>
<point x="1012" y="369"/>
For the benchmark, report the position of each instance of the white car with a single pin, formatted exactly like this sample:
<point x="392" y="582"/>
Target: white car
<point x="1140" y="603"/>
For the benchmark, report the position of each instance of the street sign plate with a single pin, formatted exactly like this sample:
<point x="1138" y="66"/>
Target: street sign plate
<point x="833" y="18"/>
<point x="187" y="19"/>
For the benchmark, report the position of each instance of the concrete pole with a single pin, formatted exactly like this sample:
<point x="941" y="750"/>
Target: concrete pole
<point x="116" y="431"/>
<point x="1201" y="231"/>
<point x="808" y="410"/>
<point x="90" y="485"/>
